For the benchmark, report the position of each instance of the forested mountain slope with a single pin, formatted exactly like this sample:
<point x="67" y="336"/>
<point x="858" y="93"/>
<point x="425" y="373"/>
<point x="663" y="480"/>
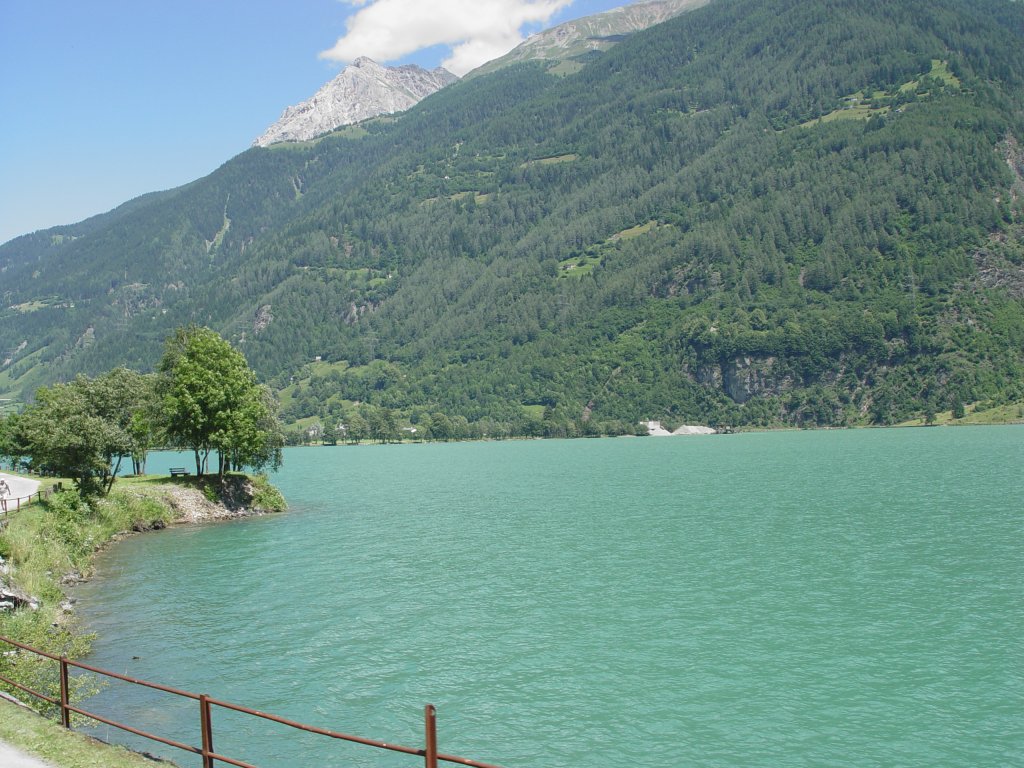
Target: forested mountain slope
<point x="757" y="212"/>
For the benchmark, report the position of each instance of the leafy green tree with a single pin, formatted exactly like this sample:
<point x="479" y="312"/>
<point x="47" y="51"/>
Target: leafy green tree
<point x="330" y="429"/>
<point x="356" y="427"/>
<point x="958" y="408"/>
<point x="440" y="427"/>
<point x="78" y="430"/>
<point x="212" y="402"/>
<point x="382" y="424"/>
<point x="129" y="400"/>
<point x="255" y="438"/>
<point x="11" y="448"/>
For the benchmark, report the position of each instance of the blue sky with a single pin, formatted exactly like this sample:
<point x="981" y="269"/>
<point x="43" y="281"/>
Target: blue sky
<point x="105" y="100"/>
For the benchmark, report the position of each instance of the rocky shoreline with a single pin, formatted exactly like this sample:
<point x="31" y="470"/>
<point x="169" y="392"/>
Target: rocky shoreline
<point x="190" y="505"/>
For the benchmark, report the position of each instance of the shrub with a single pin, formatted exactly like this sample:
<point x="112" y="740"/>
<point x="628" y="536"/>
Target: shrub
<point x="265" y="496"/>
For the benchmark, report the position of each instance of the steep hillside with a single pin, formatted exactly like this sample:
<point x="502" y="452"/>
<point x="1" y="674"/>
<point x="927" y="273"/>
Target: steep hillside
<point x="773" y="212"/>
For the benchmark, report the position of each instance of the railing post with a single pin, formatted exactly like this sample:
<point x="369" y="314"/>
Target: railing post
<point x="430" y="718"/>
<point x="65" y="693"/>
<point x="206" y="724"/>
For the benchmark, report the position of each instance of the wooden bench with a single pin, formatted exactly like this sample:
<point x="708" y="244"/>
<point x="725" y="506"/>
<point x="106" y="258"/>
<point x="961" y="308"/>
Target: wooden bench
<point x="175" y="471"/>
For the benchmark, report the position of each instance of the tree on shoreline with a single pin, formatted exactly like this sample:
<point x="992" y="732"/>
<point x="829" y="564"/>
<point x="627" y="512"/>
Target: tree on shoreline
<point x="205" y="397"/>
<point x="84" y="428"/>
<point x="212" y="402"/>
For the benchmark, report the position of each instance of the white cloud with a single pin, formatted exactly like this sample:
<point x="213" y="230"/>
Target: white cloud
<point x="477" y="30"/>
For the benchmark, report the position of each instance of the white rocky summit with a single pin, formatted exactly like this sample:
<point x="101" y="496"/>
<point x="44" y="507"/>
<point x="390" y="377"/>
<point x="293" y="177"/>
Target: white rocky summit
<point x="362" y="90"/>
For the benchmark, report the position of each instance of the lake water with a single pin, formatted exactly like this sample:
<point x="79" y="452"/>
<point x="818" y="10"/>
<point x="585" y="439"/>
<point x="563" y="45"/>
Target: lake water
<point x="846" y="598"/>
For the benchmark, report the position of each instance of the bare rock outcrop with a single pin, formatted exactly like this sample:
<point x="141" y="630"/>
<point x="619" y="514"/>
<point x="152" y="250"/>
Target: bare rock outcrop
<point x="362" y="90"/>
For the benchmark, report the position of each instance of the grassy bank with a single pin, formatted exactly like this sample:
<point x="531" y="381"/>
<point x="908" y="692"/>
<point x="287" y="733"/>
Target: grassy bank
<point x="49" y="741"/>
<point x="45" y="546"/>
<point x="984" y="413"/>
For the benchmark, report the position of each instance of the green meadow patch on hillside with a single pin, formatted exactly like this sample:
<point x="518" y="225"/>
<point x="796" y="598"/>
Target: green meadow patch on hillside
<point x="862" y="106"/>
<point x="554" y="160"/>
<point x="592" y="258"/>
<point x="578" y="266"/>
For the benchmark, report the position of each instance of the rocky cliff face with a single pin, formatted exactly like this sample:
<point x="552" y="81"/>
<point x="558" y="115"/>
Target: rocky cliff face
<point x="744" y="378"/>
<point x="362" y="90"/>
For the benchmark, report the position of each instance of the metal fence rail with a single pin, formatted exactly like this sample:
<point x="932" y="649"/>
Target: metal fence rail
<point x="8" y="504"/>
<point x="206" y="750"/>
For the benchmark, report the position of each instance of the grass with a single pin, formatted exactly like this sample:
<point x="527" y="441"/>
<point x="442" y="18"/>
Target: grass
<point x="855" y="112"/>
<point x="345" y="132"/>
<point x="976" y="414"/>
<point x="565" y="68"/>
<point x="593" y="257"/>
<point x="578" y="266"/>
<point x="31" y="306"/>
<point x="47" y="740"/>
<point x="940" y="71"/>
<point x="859" y="106"/>
<point x="629" y="234"/>
<point x="551" y="160"/>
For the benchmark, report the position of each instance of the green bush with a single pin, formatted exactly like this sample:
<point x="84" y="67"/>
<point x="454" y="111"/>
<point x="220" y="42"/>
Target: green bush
<point x="210" y="492"/>
<point x="265" y="496"/>
<point x="67" y="524"/>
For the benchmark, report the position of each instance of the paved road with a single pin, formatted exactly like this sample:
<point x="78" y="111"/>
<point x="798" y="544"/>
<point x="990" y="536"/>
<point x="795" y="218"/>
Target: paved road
<point x="15" y="758"/>
<point x="20" y="488"/>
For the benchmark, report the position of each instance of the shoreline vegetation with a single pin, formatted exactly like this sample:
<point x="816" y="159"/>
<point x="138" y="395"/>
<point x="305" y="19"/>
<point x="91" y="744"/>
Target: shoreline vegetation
<point x="50" y="545"/>
<point x="981" y="413"/>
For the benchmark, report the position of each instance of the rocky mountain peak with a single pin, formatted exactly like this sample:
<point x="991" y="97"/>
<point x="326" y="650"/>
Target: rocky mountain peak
<point x="362" y="90"/>
<point x="598" y="32"/>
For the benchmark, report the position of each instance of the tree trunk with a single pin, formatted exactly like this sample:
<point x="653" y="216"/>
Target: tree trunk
<point x="113" y="476"/>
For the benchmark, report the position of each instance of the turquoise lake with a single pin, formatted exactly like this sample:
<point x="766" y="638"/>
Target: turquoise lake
<point x="840" y="598"/>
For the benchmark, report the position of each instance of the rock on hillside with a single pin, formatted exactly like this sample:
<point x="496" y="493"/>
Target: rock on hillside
<point x="362" y="90"/>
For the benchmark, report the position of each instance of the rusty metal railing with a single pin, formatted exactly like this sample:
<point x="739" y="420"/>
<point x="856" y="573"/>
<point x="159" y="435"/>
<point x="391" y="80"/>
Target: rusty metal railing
<point x="206" y="704"/>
